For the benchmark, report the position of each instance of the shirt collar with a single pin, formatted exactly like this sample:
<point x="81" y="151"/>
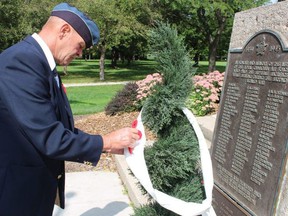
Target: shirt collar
<point x="46" y="51"/>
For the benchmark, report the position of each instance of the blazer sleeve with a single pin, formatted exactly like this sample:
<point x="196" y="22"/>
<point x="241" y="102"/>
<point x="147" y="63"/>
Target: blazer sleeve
<point x="25" y="79"/>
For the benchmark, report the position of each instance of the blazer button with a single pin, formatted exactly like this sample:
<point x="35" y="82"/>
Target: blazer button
<point x="59" y="176"/>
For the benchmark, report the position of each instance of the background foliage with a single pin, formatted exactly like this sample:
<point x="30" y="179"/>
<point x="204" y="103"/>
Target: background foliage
<point x="205" y="25"/>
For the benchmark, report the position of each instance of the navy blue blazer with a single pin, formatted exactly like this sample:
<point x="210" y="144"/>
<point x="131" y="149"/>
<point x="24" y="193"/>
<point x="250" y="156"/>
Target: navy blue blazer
<point x="37" y="133"/>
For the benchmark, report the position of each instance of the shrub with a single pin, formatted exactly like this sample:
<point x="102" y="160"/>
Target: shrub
<point x="133" y="95"/>
<point x="124" y="100"/>
<point x="205" y="94"/>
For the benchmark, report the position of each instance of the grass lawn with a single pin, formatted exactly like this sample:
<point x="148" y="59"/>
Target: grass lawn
<point x="81" y="71"/>
<point x="91" y="99"/>
<point x="203" y="67"/>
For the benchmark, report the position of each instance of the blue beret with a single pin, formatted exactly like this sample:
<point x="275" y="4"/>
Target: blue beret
<point x="82" y="24"/>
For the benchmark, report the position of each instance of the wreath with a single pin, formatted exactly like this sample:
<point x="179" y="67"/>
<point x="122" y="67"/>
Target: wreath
<point x="176" y="170"/>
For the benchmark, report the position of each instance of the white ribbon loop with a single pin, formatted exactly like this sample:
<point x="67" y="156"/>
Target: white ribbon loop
<point x="137" y="164"/>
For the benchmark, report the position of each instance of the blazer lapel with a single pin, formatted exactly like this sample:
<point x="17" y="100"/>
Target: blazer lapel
<point x="62" y="104"/>
<point x="67" y="104"/>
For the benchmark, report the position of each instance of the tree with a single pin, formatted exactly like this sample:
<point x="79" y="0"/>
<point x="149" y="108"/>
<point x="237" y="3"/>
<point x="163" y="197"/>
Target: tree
<point x="117" y="23"/>
<point x="203" y="22"/>
<point x="19" y="18"/>
<point x="12" y="22"/>
<point x="134" y="45"/>
<point x="37" y="13"/>
<point x="121" y="23"/>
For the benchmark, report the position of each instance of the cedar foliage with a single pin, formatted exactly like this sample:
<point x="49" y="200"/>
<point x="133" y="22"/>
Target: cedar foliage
<point x="176" y="69"/>
<point x="173" y="160"/>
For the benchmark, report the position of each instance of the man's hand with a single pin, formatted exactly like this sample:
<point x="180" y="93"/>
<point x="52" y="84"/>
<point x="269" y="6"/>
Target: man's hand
<point x="116" y="141"/>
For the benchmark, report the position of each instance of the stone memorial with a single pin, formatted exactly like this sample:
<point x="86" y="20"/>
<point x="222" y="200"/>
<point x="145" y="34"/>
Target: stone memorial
<point x="249" y="146"/>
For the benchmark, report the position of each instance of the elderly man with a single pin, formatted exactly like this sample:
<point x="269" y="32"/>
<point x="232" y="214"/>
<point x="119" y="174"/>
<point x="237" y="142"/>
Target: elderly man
<point x="36" y="125"/>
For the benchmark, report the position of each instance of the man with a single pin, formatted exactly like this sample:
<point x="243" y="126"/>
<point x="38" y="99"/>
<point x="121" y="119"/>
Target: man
<point x="36" y="125"/>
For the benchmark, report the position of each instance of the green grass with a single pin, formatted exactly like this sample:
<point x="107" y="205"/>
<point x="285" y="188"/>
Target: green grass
<point x="203" y="67"/>
<point x="81" y="71"/>
<point x="91" y="99"/>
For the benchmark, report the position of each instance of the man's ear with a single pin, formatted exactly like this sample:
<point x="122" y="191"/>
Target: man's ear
<point x="65" y="30"/>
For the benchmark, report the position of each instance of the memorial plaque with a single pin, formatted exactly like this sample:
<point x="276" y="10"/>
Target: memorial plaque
<point x="251" y="133"/>
<point x="225" y="206"/>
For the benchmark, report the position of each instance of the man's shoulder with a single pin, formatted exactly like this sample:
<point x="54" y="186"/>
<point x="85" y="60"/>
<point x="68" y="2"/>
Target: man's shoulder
<point x="26" y="48"/>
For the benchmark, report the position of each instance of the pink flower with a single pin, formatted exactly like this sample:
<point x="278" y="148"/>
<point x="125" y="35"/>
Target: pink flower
<point x="206" y="92"/>
<point x="145" y="85"/>
<point x="213" y="98"/>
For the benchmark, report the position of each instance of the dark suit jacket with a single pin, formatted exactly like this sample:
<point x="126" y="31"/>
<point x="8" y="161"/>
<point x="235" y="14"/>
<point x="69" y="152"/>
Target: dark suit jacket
<point x="37" y="133"/>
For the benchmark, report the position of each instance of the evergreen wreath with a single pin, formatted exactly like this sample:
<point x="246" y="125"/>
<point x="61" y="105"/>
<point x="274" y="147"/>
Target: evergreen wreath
<point x="173" y="161"/>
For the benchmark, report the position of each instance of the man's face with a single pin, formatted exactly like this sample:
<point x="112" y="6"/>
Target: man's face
<point x="69" y="47"/>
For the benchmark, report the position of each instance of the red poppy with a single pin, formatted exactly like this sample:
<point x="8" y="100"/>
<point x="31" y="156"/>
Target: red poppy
<point x="64" y="88"/>
<point x="134" y="123"/>
<point x="130" y="150"/>
<point x="140" y="134"/>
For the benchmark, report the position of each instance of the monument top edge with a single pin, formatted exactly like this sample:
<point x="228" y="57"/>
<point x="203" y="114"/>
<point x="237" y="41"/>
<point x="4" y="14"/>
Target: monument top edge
<point x="268" y="31"/>
<point x="269" y="18"/>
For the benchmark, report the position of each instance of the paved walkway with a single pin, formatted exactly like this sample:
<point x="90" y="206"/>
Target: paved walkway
<point x="94" y="84"/>
<point x="95" y="194"/>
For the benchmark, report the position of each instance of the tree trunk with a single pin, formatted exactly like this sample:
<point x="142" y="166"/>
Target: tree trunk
<point x="212" y="58"/>
<point x="65" y="70"/>
<point x="213" y="43"/>
<point x="102" y="62"/>
<point x="115" y="56"/>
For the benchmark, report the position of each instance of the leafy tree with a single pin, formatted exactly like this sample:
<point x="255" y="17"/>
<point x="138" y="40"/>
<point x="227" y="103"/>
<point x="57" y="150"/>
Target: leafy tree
<point x="37" y="13"/>
<point x="117" y="22"/>
<point x="134" y="45"/>
<point x="19" y="18"/>
<point x="204" y="22"/>
<point x="122" y="24"/>
<point x="12" y="22"/>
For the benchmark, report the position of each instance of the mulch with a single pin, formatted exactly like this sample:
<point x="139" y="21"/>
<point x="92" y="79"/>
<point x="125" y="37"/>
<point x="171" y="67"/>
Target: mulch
<point x="101" y="124"/>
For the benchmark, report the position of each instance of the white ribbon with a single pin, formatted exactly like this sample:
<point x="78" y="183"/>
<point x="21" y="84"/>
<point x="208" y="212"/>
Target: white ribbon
<point x="137" y="164"/>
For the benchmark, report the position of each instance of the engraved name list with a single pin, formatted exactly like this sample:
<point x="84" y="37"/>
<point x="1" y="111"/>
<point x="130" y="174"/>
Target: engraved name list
<point x="251" y="134"/>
